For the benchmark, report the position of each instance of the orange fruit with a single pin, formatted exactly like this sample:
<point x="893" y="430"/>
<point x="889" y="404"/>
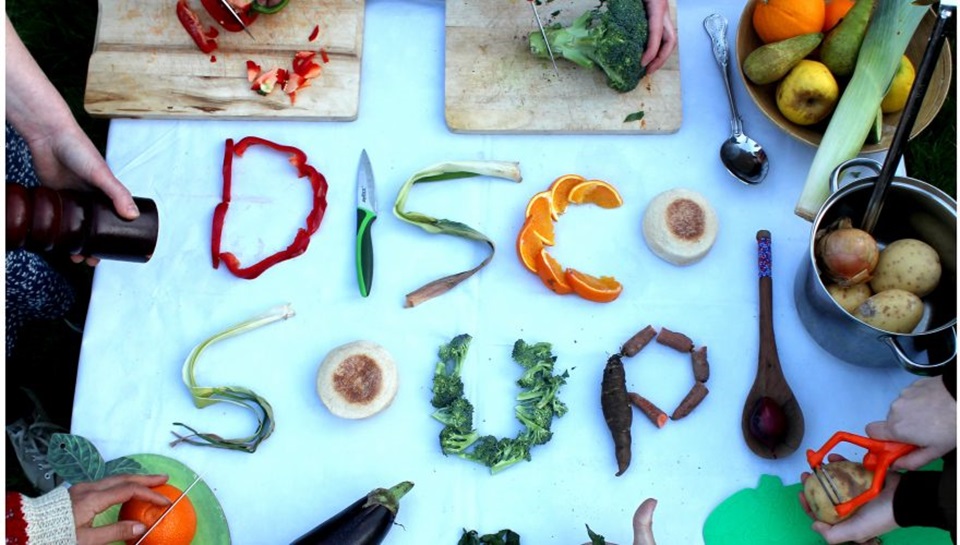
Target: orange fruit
<point x="834" y="10"/>
<point x="529" y="244"/>
<point x="560" y="191"/>
<point x="601" y="290"/>
<point x="177" y="528"/>
<point x="596" y="192"/>
<point x="551" y="272"/>
<point x="776" y="20"/>
<point x="541" y="204"/>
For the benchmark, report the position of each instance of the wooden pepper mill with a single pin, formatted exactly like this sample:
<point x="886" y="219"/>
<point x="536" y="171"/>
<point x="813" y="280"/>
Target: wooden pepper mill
<point x="76" y="222"/>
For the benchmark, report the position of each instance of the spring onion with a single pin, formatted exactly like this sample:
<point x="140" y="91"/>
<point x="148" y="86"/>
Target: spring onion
<point x="204" y="396"/>
<point x="892" y="27"/>
<point x="450" y="171"/>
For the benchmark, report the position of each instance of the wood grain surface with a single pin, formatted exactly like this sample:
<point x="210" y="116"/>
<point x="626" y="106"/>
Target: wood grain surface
<point x="145" y="65"/>
<point x="493" y="84"/>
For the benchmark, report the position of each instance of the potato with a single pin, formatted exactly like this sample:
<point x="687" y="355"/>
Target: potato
<point x="851" y="480"/>
<point x="896" y="311"/>
<point x="907" y="264"/>
<point x="850" y="297"/>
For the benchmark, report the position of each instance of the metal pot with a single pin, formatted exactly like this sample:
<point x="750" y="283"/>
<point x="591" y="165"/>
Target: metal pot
<point x="912" y="209"/>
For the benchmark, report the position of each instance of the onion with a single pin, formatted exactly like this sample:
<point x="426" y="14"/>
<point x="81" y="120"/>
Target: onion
<point x="847" y="255"/>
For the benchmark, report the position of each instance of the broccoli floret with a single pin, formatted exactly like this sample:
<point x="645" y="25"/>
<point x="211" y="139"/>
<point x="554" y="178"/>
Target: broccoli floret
<point x="536" y="360"/>
<point x="458" y="415"/>
<point x="499" y="454"/>
<point x="544" y="392"/>
<point x="454" y="441"/>
<point x="612" y="36"/>
<point x="447" y="384"/>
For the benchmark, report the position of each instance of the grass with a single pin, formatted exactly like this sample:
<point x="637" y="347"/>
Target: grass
<point x="60" y="34"/>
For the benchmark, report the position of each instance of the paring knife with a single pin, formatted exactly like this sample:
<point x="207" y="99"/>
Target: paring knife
<point x="543" y="32"/>
<point x="366" y="215"/>
<point x="167" y="512"/>
<point x="236" y="17"/>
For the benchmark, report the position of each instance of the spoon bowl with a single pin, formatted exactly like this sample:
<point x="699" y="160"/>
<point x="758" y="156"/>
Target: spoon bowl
<point x="743" y="157"/>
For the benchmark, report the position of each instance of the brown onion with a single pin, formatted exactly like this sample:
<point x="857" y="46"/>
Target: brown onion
<point x="846" y="254"/>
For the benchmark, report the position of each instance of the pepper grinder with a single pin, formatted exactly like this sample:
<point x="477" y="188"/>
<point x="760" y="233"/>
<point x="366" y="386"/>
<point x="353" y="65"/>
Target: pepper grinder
<point x="78" y="222"/>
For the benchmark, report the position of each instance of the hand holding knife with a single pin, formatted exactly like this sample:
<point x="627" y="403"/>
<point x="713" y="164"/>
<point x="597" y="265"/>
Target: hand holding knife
<point x="366" y="215"/>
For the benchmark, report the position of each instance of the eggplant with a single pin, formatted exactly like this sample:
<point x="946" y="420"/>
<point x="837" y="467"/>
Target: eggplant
<point x="364" y="522"/>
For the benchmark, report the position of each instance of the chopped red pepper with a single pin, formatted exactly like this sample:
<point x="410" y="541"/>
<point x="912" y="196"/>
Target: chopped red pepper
<point x="314" y="33"/>
<point x="300" y="241"/>
<point x="323" y="55"/>
<point x="206" y="39"/>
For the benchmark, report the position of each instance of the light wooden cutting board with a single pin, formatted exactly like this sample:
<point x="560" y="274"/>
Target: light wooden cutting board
<point x="494" y="85"/>
<point x="144" y="64"/>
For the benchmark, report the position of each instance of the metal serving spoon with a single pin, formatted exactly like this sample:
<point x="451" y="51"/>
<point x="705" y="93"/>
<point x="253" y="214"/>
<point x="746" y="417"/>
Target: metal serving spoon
<point x="743" y="156"/>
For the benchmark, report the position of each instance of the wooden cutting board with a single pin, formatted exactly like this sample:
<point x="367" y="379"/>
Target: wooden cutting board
<point x="494" y="85"/>
<point x="145" y="65"/>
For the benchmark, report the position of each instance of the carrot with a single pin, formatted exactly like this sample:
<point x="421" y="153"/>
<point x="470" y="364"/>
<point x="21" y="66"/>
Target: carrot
<point x="690" y="402"/>
<point x="701" y="368"/>
<point x="616" y="410"/>
<point x="677" y="341"/>
<point x="638" y="341"/>
<point x="657" y="416"/>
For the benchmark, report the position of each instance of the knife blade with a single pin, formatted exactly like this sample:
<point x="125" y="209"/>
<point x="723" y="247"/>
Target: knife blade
<point x="167" y="512"/>
<point x="366" y="215"/>
<point x="543" y="32"/>
<point x="236" y="17"/>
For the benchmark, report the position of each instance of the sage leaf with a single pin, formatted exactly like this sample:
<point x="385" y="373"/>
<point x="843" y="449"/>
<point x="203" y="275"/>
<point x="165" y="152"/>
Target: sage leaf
<point x="441" y="172"/>
<point x="204" y="396"/>
<point x="75" y="458"/>
<point x="125" y="466"/>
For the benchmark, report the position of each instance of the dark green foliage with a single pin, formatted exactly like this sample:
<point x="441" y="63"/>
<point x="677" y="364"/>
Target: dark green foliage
<point x="503" y="537"/>
<point x="612" y="37"/>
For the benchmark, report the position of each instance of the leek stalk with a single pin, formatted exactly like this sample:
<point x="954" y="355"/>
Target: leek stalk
<point x="204" y="396"/>
<point x="892" y="26"/>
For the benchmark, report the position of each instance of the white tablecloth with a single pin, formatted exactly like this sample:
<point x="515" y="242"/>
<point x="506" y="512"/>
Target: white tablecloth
<point x="145" y="318"/>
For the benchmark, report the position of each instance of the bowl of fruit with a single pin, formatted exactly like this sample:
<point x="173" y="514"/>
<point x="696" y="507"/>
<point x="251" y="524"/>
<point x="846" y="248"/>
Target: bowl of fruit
<point x="796" y="59"/>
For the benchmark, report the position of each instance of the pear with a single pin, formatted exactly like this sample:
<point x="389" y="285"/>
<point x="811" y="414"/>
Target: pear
<point x="770" y="62"/>
<point x="842" y="44"/>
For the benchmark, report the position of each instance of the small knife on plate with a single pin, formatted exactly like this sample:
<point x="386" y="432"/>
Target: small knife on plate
<point x="366" y="215"/>
<point x="167" y="512"/>
<point x="236" y="17"/>
<point x="543" y="32"/>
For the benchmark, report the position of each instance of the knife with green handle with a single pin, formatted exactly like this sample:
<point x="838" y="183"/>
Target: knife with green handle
<point x="366" y="215"/>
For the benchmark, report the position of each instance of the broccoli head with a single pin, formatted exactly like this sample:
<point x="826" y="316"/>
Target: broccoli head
<point x="447" y="384"/>
<point x="499" y="454"/>
<point x="612" y="37"/>
<point x="455" y="441"/>
<point x="458" y="414"/>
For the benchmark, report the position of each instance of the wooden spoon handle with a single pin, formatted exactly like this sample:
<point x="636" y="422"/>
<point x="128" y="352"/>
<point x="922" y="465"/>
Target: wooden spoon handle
<point x="768" y="345"/>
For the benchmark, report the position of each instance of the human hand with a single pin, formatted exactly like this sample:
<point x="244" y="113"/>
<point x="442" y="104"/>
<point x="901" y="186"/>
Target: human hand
<point x="92" y="498"/>
<point x="662" y="38"/>
<point x="925" y="415"/>
<point x="866" y="523"/>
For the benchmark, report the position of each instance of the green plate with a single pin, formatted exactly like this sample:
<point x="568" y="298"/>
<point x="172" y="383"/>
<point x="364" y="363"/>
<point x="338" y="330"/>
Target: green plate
<point x="212" y="526"/>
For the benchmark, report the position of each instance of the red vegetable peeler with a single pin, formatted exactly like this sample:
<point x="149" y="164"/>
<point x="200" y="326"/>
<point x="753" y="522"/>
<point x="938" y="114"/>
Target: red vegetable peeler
<point x="878" y="459"/>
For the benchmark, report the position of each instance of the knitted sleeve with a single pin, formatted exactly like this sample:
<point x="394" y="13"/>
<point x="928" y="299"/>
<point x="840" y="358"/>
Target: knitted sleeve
<point x="46" y="520"/>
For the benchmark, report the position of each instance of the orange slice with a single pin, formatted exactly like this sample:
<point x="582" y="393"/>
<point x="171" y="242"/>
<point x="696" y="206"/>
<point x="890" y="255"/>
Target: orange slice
<point x="541" y="204"/>
<point x="529" y="245"/>
<point x="600" y="290"/>
<point x="596" y="192"/>
<point x="551" y="272"/>
<point x="560" y="191"/>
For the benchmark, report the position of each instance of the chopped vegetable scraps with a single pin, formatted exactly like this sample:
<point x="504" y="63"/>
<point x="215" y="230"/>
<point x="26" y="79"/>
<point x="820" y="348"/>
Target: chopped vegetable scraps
<point x="450" y="171"/>
<point x="204" y="396"/>
<point x="304" y="69"/>
<point x="302" y="238"/>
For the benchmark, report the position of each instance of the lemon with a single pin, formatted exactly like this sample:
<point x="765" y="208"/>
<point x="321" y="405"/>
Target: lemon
<point x="896" y="97"/>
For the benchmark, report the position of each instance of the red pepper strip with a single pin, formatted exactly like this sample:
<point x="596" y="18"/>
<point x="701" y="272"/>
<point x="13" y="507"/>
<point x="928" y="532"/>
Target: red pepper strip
<point x="299" y="245"/>
<point x="314" y="33"/>
<point x="220" y="212"/>
<point x="205" y="39"/>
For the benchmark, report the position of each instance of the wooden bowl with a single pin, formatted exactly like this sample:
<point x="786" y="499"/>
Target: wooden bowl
<point x="764" y="96"/>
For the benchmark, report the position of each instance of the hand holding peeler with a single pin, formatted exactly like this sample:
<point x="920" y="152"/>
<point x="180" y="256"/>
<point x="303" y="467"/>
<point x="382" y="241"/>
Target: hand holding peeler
<point x="879" y="456"/>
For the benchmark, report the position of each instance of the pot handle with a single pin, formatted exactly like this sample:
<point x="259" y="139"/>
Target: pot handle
<point x="921" y="368"/>
<point x="837" y="173"/>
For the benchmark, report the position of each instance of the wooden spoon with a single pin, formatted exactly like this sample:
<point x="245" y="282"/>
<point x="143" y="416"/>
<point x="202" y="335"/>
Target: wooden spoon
<point x="777" y="428"/>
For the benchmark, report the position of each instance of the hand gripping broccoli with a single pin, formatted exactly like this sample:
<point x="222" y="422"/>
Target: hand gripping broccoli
<point x="612" y="37"/>
<point x="538" y="405"/>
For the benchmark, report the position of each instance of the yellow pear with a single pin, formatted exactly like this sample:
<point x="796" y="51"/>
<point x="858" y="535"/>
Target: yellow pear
<point x="808" y="93"/>
<point x="896" y="97"/>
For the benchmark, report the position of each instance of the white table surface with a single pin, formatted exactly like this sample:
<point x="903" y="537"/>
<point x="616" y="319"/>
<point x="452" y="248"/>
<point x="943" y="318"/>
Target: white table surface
<point x="145" y="318"/>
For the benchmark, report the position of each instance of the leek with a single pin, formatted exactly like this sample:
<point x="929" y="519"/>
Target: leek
<point x="450" y="171"/>
<point x="892" y="27"/>
<point x="204" y="396"/>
